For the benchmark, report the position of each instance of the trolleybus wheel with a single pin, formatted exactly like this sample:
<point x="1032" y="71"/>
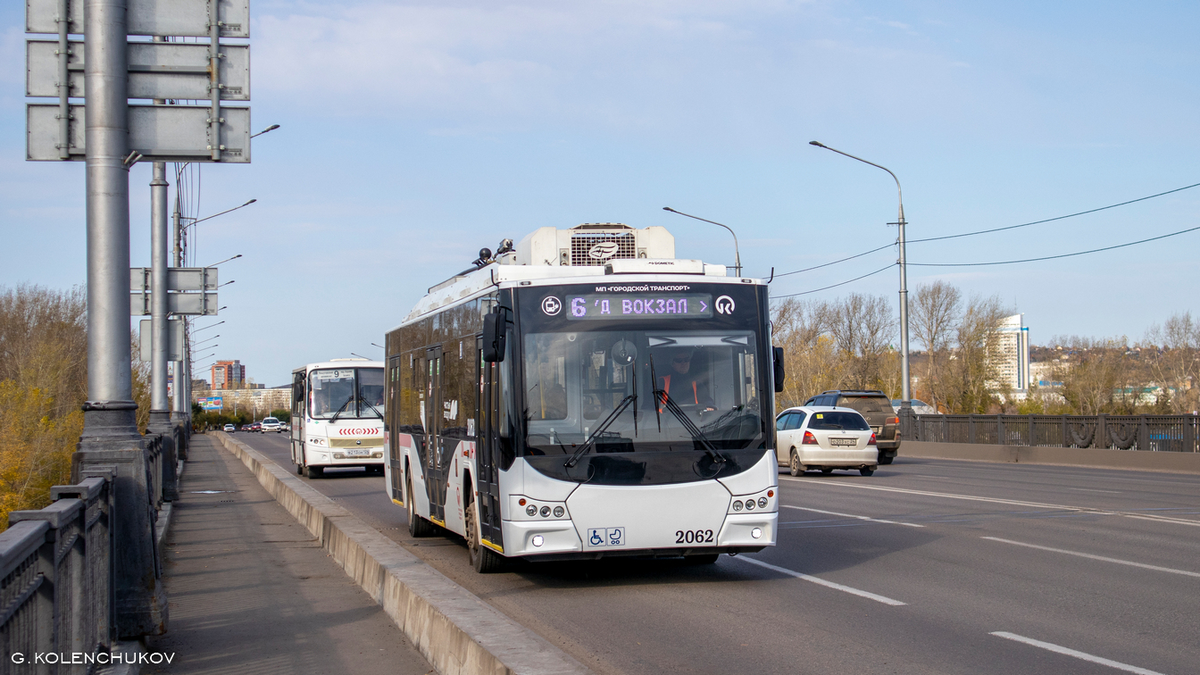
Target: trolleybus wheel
<point x="826" y="471"/>
<point x="417" y="526"/>
<point x="313" y="471"/>
<point x="299" y="469"/>
<point x="796" y="467"/>
<point x="483" y="559"/>
<point x="867" y="470"/>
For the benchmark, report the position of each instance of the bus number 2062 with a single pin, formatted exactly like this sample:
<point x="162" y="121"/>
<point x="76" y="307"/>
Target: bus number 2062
<point x="693" y="536"/>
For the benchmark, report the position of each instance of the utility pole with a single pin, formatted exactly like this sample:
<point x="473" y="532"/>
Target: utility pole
<point x="111" y="440"/>
<point x="160" y="405"/>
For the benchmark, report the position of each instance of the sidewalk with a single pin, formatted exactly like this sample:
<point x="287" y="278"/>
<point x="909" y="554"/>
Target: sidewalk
<point x="252" y="592"/>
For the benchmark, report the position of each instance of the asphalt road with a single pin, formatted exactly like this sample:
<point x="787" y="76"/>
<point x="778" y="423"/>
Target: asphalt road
<point x="929" y="566"/>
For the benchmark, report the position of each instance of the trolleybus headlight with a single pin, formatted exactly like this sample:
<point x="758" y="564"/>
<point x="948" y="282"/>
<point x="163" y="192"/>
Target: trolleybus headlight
<point x="538" y="540"/>
<point x="559" y="511"/>
<point x="762" y="502"/>
<point x="545" y="511"/>
<point x="749" y="504"/>
<point x="531" y="510"/>
<point x="756" y="532"/>
<point x="737" y="505"/>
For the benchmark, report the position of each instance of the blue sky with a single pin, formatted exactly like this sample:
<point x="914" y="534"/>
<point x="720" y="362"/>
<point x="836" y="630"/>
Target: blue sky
<point x="414" y="133"/>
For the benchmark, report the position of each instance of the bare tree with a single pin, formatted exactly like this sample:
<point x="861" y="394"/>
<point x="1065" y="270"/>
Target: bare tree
<point x="809" y="359"/>
<point x="969" y="371"/>
<point x="862" y="328"/>
<point x="934" y="312"/>
<point x="1102" y="378"/>
<point x="1173" y="350"/>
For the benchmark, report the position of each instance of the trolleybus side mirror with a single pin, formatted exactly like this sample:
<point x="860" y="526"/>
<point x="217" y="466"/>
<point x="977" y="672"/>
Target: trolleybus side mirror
<point x="777" y="352"/>
<point x="493" y="337"/>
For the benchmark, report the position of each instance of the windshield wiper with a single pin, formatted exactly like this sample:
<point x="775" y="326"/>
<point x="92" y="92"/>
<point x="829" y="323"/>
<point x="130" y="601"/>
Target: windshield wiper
<point x="697" y="435"/>
<point x="339" y="410"/>
<point x="591" y="439"/>
<point x="376" y="410"/>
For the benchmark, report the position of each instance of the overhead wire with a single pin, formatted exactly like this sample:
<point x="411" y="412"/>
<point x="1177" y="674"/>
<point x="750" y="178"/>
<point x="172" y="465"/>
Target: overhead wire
<point x="843" y="283"/>
<point x="998" y="229"/>
<point x="1055" y="257"/>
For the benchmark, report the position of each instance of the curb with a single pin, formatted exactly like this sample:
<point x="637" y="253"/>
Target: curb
<point x="456" y="631"/>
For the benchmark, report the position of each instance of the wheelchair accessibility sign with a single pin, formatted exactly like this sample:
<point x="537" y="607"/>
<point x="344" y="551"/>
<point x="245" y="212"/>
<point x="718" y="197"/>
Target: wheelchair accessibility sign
<point x="605" y="536"/>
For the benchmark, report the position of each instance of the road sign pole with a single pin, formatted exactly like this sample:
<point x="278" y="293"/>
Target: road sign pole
<point x="110" y="434"/>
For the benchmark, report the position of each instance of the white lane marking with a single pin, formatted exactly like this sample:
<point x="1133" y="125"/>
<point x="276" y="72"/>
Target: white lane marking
<point x="851" y="515"/>
<point x="996" y="500"/>
<point x="822" y="582"/>
<point x="1162" y="519"/>
<point x="1077" y="654"/>
<point x="1096" y="557"/>
<point x="943" y="495"/>
<point x="1111" y="492"/>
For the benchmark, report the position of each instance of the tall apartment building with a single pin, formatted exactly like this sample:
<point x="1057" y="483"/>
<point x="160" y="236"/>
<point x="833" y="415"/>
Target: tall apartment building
<point x="1011" y="357"/>
<point x="228" y="375"/>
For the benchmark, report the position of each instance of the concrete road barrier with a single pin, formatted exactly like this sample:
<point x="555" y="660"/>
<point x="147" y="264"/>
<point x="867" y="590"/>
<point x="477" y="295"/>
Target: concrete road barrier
<point x="1139" y="460"/>
<point x="456" y="631"/>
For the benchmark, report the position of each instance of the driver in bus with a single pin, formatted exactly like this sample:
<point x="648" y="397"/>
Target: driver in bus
<point x="684" y="385"/>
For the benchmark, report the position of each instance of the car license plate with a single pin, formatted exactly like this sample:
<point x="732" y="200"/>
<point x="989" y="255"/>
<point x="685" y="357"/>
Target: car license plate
<point x="843" y="442"/>
<point x="357" y="452"/>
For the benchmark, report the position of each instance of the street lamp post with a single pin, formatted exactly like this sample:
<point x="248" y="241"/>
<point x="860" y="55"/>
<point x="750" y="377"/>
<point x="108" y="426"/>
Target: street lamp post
<point x="906" y="412"/>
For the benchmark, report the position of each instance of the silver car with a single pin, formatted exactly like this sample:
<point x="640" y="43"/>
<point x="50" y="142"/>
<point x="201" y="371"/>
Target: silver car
<point x="825" y="438"/>
<point x="271" y="424"/>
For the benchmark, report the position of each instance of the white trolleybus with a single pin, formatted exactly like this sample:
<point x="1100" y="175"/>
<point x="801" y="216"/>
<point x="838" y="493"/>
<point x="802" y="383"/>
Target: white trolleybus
<point x="584" y="395"/>
<point x="338" y="416"/>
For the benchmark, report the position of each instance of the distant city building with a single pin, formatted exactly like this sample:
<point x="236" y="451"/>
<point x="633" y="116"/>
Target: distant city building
<point x="1010" y="357"/>
<point x="228" y="375"/>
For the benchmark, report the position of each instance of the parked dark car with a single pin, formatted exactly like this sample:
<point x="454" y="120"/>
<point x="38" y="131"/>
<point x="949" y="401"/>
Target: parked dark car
<point x="874" y="405"/>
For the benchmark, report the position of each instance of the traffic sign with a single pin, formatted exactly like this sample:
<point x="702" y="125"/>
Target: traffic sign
<point x="172" y="133"/>
<point x="178" y="279"/>
<point x="166" y="70"/>
<point x="174" y="339"/>
<point x="192" y="304"/>
<point x="163" y="18"/>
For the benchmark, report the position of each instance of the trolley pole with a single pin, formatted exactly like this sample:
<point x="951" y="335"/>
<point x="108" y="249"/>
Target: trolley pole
<point x="111" y="441"/>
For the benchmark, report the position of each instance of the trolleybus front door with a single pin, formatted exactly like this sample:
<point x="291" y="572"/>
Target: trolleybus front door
<point x="487" y="453"/>
<point x="436" y="452"/>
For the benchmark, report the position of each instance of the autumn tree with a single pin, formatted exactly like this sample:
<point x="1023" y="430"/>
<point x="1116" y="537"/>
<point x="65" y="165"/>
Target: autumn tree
<point x="862" y="328"/>
<point x="968" y="374"/>
<point x="934" y="313"/>
<point x="43" y="383"/>
<point x="1173" y="351"/>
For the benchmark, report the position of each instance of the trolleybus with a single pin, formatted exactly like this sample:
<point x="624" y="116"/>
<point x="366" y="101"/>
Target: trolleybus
<point x="584" y="395"/>
<point x="338" y="413"/>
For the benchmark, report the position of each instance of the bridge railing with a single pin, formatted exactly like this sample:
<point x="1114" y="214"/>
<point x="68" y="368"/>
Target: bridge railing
<point x="56" y="578"/>
<point x="1158" y="433"/>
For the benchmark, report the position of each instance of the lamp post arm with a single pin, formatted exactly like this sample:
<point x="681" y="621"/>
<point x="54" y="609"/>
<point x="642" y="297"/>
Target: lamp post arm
<point x="899" y="192"/>
<point x="737" y="256"/>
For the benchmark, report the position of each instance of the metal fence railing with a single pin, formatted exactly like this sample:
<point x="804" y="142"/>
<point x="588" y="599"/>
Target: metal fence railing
<point x="56" y="579"/>
<point x="1159" y="433"/>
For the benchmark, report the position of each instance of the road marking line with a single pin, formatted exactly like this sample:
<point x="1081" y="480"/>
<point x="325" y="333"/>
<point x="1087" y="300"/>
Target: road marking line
<point x="1077" y="654"/>
<point x="1096" y="557"/>
<point x="822" y="582"/>
<point x="943" y="495"/>
<point x="1111" y="492"/>
<point x="1162" y="519"/>
<point x="850" y="515"/>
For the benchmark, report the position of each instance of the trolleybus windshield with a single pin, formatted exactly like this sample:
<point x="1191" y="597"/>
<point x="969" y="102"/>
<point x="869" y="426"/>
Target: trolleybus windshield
<point x="686" y="390"/>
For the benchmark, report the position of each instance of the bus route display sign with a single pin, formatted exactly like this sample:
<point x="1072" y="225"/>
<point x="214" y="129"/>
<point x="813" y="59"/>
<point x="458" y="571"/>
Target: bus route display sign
<point x="640" y="306"/>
